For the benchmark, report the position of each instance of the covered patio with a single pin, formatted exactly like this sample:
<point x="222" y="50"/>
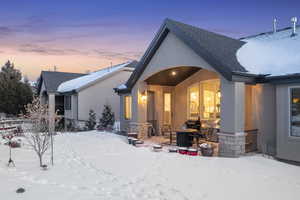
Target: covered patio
<point x="184" y="97"/>
<point x="189" y="74"/>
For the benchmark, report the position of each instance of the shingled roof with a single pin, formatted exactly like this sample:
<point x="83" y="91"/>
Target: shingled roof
<point x="218" y="50"/>
<point x="53" y="79"/>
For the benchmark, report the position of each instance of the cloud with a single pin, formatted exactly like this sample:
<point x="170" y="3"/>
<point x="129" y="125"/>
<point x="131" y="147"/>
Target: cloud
<point x="32" y="48"/>
<point x="130" y="55"/>
<point x="6" y="31"/>
<point x="101" y="53"/>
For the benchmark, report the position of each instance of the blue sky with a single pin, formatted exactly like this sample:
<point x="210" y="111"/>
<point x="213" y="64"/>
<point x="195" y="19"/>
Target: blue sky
<point x="78" y="35"/>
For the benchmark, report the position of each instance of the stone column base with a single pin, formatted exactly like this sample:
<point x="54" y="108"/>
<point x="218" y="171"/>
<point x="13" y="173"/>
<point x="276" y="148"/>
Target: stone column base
<point x="231" y="144"/>
<point x="140" y="128"/>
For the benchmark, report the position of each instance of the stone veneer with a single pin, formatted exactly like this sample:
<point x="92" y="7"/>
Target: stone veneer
<point x="140" y="128"/>
<point x="231" y="145"/>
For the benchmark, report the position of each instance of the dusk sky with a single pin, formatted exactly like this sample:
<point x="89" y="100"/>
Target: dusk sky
<point x="81" y="35"/>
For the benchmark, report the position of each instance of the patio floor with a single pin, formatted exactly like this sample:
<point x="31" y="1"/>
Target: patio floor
<point x="165" y="142"/>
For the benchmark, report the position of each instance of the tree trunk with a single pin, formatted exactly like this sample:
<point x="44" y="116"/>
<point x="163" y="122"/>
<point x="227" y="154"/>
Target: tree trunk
<point x="41" y="161"/>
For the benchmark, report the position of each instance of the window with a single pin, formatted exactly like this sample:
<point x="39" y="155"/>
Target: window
<point x="295" y="112"/>
<point x="210" y="99"/>
<point x="193" y="101"/>
<point x="68" y="102"/>
<point x="167" y="108"/>
<point x="204" y="100"/>
<point x="127" y="107"/>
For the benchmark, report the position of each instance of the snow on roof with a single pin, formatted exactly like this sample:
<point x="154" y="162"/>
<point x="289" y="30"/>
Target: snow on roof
<point x="271" y="53"/>
<point x="80" y="82"/>
<point x="121" y="87"/>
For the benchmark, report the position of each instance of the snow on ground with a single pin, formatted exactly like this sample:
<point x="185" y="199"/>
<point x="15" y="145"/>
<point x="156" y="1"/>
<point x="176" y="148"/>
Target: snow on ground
<point x="271" y="53"/>
<point x="94" y="165"/>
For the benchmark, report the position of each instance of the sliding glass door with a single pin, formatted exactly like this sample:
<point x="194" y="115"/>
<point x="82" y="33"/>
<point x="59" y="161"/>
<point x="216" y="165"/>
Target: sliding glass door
<point x="204" y="100"/>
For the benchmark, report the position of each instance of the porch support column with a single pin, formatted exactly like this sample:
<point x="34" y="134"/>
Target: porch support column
<point x="232" y="136"/>
<point x="51" y="107"/>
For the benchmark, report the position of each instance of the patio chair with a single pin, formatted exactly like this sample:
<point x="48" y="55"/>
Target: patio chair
<point x="167" y="132"/>
<point x="212" y="135"/>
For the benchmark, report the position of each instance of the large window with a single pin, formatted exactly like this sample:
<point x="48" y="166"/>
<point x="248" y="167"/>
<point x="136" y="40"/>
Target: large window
<point x="295" y="112"/>
<point x="210" y="99"/>
<point x="204" y="100"/>
<point x="68" y="102"/>
<point x="127" y="107"/>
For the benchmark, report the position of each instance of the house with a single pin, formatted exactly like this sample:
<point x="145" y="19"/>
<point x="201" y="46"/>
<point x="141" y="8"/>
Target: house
<point x="93" y="91"/>
<point x="242" y="85"/>
<point x="47" y="85"/>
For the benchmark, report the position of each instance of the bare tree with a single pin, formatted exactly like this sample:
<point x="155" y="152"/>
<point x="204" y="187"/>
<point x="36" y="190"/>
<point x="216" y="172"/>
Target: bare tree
<point x="39" y="134"/>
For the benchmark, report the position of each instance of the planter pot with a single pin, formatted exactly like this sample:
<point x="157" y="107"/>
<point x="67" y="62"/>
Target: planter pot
<point x="173" y="150"/>
<point x="129" y="140"/>
<point x="192" y="152"/>
<point x="139" y="143"/>
<point x="207" y="151"/>
<point x="133" y="135"/>
<point x="183" y="150"/>
<point x="133" y="141"/>
<point x="157" y="148"/>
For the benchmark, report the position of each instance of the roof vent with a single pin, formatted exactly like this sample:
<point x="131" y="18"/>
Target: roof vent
<point x="274" y="25"/>
<point x="294" y="22"/>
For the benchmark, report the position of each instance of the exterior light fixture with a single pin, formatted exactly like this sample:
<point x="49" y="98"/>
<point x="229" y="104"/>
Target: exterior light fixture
<point x="173" y="73"/>
<point x="143" y="96"/>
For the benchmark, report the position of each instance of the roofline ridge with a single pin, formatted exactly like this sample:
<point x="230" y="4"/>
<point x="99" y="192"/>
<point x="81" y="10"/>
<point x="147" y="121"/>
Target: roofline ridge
<point x="268" y="32"/>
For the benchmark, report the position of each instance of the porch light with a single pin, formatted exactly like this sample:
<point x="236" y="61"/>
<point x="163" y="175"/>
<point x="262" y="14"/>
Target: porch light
<point x="143" y="96"/>
<point x="173" y="73"/>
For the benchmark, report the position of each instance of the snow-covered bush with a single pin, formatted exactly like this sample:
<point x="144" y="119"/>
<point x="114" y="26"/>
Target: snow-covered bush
<point x="107" y="119"/>
<point x="91" y="123"/>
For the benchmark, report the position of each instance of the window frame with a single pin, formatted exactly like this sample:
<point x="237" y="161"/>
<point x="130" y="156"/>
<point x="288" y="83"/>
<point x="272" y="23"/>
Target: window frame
<point x="289" y="112"/>
<point x="200" y="98"/>
<point x="188" y="113"/>
<point x="125" y="109"/>
<point x="66" y="107"/>
<point x="164" y="104"/>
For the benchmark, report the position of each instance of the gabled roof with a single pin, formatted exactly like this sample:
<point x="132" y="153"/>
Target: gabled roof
<point x="77" y="84"/>
<point x="53" y="79"/>
<point x="218" y="50"/>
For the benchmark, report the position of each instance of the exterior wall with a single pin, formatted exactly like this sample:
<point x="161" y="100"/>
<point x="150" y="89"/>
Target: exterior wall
<point x="97" y="95"/>
<point x="43" y="96"/>
<point x="124" y="123"/>
<point x="264" y="108"/>
<point x="73" y="113"/>
<point x="171" y="53"/>
<point x="288" y="147"/>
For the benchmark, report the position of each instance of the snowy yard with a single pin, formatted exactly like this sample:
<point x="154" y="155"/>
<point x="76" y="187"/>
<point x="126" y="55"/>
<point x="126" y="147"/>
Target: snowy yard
<point x="93" y="165"/>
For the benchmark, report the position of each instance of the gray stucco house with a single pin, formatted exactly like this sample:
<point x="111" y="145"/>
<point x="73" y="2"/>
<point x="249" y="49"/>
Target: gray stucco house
<point x="247" y="84"/>
<point x="92" y="92"/>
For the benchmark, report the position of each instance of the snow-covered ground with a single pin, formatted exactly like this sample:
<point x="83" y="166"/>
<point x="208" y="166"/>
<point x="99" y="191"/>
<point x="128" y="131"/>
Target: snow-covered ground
<point x="93" y="165"/>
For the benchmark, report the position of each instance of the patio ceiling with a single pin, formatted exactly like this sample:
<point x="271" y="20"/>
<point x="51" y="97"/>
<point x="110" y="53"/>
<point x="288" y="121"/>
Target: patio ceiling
<point x="172" y="77"/>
